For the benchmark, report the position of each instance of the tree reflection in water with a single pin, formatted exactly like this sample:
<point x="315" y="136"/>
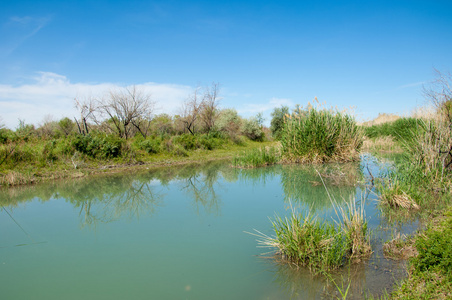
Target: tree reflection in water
<point x="108" y="198"/>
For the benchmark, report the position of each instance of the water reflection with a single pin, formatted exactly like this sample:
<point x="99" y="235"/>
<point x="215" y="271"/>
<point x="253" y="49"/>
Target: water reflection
<point x="200" y="183"/>
<point x="235" y="201"/>
<point x="313" y="186"/>
<point x="108" y="198"/>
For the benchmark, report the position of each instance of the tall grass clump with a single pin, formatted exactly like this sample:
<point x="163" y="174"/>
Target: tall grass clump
<point x="320" y="246"/>
<point x="400" y="130"/>
<point x="425" y="171"/>
<point x="316" y="135"/>
<point x="257" y="158"/>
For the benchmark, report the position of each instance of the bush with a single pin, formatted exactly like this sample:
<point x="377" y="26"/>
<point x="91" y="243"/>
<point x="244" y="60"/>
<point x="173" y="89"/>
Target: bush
<point x="179" y="151"/>
<point x="253" y="130"/>
<point x="435" y="251"/>
<point x="211" y="141"/>
<point x="187" y="141"/>
<point x="3" y="136"/>
<point x="151" y="145"/>
<point x="48" y="152"/>
<point x="99" y="146"/>
<point x="277" y="122"/>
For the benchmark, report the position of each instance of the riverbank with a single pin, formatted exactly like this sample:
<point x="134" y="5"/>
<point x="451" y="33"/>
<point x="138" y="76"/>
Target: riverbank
<point x="83" y="166"/>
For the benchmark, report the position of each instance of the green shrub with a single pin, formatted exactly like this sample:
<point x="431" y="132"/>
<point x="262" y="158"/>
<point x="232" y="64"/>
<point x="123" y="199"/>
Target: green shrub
<point x="277" y="122"/>
<point x="23" y="153"/>
<point x="179" y="150"/>
<point x="64" y="146"/>
<point x="253" y="130"/>
<point x="4" y="136"/>
<point x="99" y="145"/>
<point x="151" y="145"/>
<point x="48" y="152"/>
<point x="313" y="135"/>
<point x="229" y="123"/>
<point x="211" y="141"/>
<point x="187" y="141"/>
<point x="434" y="248"/>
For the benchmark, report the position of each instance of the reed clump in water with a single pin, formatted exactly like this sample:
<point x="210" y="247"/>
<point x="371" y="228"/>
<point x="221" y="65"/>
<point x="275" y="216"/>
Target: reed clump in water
<point x="316" y="135"/>
<point x="320" y="246"/>
<point x="392" y="194"/>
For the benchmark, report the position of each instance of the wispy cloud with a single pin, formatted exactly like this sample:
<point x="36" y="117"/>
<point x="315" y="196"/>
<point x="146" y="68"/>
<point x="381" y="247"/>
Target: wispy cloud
<point x="53" y="94"/>
<point x="410" y="85"/>
<point x="18" y="30"/>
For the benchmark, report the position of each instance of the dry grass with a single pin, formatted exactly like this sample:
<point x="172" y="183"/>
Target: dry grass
<point x="391" y="193"/>
<point x="15" y="178"/>
<point x="404" y="201"/>
<point x="380" y="144"/>
<point x="400" y="248"/>
<point x="382" y="118"/>
<point x="354" y="227"/>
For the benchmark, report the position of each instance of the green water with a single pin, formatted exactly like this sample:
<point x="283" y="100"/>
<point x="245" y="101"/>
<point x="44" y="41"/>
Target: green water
<point x="174" y="233"/>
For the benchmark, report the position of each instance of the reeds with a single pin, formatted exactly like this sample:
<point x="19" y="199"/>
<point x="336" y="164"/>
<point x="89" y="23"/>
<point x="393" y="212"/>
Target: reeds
<point x="257" y="158"/>
<point x="320" y="246"/>
<point x="304" y="241"/>
<point x="392" y="194"/>
<point x="380" y="144"/>
<point x="320" y="135"/>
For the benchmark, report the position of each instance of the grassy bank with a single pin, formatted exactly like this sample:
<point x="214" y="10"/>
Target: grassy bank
<point x="430" y="273"/>
<point x="257" y="157"/>
<point x="422" y="183"/>
<point x="34" y="159"/>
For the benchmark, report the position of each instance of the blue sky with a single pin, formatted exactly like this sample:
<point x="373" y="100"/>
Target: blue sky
<point x="371" y="55"/>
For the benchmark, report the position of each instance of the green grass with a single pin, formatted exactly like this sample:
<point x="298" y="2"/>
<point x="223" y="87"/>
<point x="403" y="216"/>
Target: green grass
<point x="400" y="130"/>
<point x="430" y="272"/>
<point x="317" y="136"/>
<point x="320" y="246"/>
<point x="256" y="158"/>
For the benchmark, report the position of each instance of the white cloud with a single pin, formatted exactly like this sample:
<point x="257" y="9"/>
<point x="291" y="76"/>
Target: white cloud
<point x="53" y="94"/>
<point x="252" y="108"/>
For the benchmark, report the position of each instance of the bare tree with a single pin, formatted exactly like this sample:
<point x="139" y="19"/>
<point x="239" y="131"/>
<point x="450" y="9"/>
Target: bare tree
<point x="210" y="102"/>
<point x="191" y="110"/>
<point x="87" y="108"/>
<point x="439" y="93"/>
<point x="126" y="109"/>
<point x="436" y="142"/>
